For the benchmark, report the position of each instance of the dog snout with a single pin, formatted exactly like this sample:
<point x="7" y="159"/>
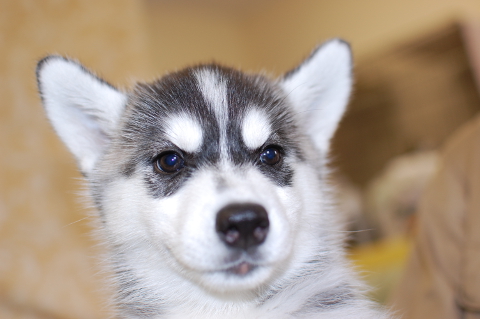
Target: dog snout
<point x="242" y="225"/>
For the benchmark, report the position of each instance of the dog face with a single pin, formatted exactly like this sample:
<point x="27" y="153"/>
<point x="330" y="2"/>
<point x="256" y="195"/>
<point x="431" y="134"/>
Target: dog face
<point x="212" y="173"/>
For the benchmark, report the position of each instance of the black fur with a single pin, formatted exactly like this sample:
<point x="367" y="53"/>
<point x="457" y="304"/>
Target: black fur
<point x="150" y="104"/>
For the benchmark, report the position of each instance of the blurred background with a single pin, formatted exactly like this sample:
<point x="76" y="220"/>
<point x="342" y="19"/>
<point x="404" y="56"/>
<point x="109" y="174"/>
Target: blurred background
<point x="417" y="64"/>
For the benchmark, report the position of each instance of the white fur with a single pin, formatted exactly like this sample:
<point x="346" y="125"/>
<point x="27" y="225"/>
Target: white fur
<point x="169" y="261"/>
<point x="193" y="241"/>
<point x="255" y="128"/>
<point x="184" y="132"/>
<point x="214" y="91"/>
<point x="320" y="90"/>
<point x="84" y="111"/>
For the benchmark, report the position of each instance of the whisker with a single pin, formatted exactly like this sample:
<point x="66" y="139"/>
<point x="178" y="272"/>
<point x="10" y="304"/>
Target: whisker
<point x="75" y="222"/>
<point x="355" y="231"/>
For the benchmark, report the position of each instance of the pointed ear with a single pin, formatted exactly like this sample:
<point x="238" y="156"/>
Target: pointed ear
<point x="319" y="90"/>
<point x="83" y="109"/>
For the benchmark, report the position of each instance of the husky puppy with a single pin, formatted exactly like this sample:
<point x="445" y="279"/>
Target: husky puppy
<point x="211" y="187"/>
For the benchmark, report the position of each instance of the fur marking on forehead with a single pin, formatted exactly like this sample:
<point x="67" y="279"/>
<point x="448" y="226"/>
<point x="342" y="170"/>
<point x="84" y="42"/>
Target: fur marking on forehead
<point x="183" y="131"/>
<point x="214" y="90"/>
<point x="255" y="128"/>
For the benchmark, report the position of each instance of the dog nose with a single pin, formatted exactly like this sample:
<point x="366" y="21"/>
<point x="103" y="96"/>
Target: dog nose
<point x="242" y="225"/>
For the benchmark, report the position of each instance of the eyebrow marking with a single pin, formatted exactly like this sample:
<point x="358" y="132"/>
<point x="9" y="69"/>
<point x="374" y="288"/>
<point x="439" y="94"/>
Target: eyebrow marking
<point x="256" y="128"/>
<point x="183" y="131"/>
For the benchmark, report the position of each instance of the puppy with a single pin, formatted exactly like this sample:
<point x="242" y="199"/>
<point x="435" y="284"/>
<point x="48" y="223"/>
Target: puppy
<point x="211" y="187"/>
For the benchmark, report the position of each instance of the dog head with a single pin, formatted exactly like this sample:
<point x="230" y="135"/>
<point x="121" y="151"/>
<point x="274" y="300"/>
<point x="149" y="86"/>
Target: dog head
<point x="215" y="173"/>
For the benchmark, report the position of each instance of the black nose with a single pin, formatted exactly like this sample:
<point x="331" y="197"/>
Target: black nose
<point x="242" y="225"/>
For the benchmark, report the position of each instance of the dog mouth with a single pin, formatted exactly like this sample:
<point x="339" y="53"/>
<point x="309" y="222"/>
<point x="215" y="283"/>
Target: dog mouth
<point x="241" y="269"/>
<point x="240" y="275"/>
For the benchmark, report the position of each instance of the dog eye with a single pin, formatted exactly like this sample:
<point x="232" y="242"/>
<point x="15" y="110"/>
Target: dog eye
<point x="168" y="162"/>
<point x="271" y="155"/>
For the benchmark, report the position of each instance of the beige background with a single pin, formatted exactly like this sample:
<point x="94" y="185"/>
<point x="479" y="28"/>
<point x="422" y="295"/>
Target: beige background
<point x="47" y="259"/>
<point x="46" y="269"/>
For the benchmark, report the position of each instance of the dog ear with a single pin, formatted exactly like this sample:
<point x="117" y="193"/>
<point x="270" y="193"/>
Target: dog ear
<point x="319" y="90"/>
<point x="83" y="109"/>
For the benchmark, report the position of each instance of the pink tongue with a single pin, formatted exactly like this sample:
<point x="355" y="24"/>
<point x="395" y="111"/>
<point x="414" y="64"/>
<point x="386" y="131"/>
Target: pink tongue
<point x="242" y="269"/>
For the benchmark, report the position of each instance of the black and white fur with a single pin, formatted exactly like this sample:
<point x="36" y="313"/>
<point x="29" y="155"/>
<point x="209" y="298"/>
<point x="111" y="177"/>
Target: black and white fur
<point x="166" y="254"/>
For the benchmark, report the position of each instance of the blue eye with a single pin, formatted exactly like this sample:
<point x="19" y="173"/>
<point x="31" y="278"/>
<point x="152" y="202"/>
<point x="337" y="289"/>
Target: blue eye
<point x="271" y="155"/>
<point x="169" y="162"/>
